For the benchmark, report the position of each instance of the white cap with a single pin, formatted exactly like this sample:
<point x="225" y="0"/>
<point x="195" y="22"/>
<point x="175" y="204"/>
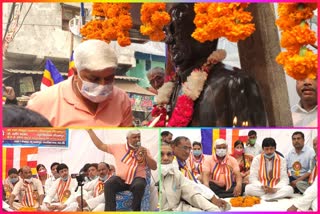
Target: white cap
<point x="220" y="141"/>
<point x="94" y="55"/>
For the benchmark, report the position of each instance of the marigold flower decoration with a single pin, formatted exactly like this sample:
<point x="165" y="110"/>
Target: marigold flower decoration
<point x="244" y="201"/>
<point x="298" y="61"/>
<point x="112" y="21"/>
<point x="154" y="17"/>
<point x="215" y="20"/>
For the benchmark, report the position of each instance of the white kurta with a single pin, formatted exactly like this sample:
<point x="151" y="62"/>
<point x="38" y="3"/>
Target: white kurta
<point x="181" y="194"/>
<point x="254" y="186"/>
<point x="53" y="194"/>
<point x="309" y="198"/>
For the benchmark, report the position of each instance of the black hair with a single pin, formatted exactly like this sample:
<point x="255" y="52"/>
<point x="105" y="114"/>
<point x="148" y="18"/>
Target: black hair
<point x="19" y="116"/>
<point x="61" y="166"/>
<point x="85" y="167"/>
<point x="107" y="165"/>
<point x="165" y="133"/>
<point x="252" y="132"/>
<point x="40" y="165"/>
<point x="12" y="171"/>
<point x="239" y="142"/>
<point x="196" y="143"/>
<point x="54" y="164"/>
<point x="298" y="132"/>
<point x="269" y="142"/>
<point x="177" y="140"/>
<point x="95" y="165"/>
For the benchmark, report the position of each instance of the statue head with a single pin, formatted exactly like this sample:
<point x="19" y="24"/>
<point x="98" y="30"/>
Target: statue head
<point x="185" y="51"/>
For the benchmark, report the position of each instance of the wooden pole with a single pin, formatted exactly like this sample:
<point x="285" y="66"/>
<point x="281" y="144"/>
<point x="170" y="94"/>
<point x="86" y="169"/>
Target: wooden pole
<point x="257" y="57"/>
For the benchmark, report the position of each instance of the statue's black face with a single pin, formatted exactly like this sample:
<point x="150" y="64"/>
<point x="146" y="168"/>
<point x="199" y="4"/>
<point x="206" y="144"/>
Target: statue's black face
<point x="185" y="50"/>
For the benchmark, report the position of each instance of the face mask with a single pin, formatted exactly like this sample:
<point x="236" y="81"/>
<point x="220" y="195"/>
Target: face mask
<point x="93" y="178"/>
<point x="197" y="152"/>
<point x="269" y="156"/>
<point x="13" y="180"/>
<point x="95" y="92"/>
<point x="166" y="168"/>
<point x="28" y="180"/>
<point x="42" y="173"/>
<point x="221" y="152"/>
<point x="252" y="141"/>
<point x="138" y="144"/>
<point x="65" y="178"/>
<point x="238" y="151"/>
<point x="103" y="178"/>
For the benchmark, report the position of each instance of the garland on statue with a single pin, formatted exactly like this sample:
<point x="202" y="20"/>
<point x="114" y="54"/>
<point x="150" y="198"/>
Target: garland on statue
<point x="298" y="61"/>
<point x="192" y="88"/>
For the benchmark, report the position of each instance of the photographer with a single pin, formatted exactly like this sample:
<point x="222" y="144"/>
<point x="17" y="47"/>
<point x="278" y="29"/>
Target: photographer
<point x="64" y="188"/>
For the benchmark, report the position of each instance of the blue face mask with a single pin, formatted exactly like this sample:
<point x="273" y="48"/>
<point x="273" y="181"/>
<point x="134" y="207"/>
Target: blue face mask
<point x="269" y="156"/>
<point x="197" y="152"/>
<point x="65" y="178"/>
<point x="13" y="180"/>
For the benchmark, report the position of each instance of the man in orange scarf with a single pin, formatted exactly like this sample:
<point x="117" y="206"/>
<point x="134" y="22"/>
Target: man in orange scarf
<point x="268" y="174"/>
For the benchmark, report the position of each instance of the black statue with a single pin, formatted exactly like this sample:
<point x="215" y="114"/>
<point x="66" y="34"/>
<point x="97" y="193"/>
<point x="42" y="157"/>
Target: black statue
<point x="228" y="92"/>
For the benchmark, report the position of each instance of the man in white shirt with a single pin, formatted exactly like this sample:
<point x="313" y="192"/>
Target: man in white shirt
<point x="29" y="190"/>
<point x="55" y="175"/>
<point x="268" y="174"/>
<point x="64" y="188"/>
<point x="95" y="188"/>
<point x="252" y="148"/>
<point x="304" y="113"/>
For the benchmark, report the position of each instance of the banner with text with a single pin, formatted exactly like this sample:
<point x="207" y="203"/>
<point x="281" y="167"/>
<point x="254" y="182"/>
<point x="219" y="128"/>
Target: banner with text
<point x="35" y="137"/>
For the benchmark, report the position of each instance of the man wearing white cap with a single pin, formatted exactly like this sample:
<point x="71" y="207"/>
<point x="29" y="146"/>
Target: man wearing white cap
<point x="89" y="97"/>
<point x="221" y="172"/>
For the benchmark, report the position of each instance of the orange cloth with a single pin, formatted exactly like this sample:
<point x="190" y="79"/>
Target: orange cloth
<point x="63" y="108"/>
<point x="210" y="163"/>
<point x="122" y="169"/>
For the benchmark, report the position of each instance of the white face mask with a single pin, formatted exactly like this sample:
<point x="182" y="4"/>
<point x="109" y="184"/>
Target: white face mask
<point x="166" y="168"/>
<point x="95" y="92"/>
<point x="28" y="180"/>
<point x="221" y="152"/>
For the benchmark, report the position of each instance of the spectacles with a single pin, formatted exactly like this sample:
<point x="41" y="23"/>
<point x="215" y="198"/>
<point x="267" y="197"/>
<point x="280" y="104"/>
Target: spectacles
<point x="169" y="154"/>
<point x="185" y="148"/>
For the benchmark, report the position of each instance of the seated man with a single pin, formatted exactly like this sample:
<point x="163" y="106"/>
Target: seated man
<point x="179" y="193"/>
<point x="303" y="185"/>
<point x="64" y="189"/>
<point x="132" y="161"/>
<point x="156" y="77"/>
<point x="299" y="160"/>
<point x="93" y="171"/>
<point x="268" y="175"/>
<point x="55" y="175"/>
<point x="308" y="201"/>
<point x="10" y="182"/>
<point x="221" y="172"/>
<point x="95" y="188"/>
<point x="29" y="190"/>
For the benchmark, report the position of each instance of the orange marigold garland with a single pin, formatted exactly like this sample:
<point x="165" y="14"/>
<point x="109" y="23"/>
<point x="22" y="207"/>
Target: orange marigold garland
<point x="215" y="20"/>
<point x="154" y="17"/>
<point x="115" y="23"/>
<point x="298" y="61"/>
<point x="244" y="201"/>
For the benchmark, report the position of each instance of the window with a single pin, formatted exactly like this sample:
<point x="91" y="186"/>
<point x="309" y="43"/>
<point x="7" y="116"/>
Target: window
<point x="68" y="13"/>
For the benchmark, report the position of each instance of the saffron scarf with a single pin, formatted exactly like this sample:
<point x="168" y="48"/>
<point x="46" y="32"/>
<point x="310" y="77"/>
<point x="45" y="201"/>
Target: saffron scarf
<point x="196" y="164"/>
<point x="222" y="168"/>
<point x="98" y="189"/>
<point x="314" y="172"/>
<point x="63" y="190"/>
<point x="270" y="179"/>
<point x="186" y="171"/>
<point x="28" y="199"/>
<point x="130" y="159"/>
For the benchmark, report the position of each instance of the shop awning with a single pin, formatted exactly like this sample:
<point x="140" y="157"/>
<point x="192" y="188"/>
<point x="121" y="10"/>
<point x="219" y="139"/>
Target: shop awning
<point x="133" y="87"/>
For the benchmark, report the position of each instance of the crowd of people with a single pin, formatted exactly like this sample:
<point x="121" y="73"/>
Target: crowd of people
<point x="101" y="182"/>
<point x="244" y="170"/>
